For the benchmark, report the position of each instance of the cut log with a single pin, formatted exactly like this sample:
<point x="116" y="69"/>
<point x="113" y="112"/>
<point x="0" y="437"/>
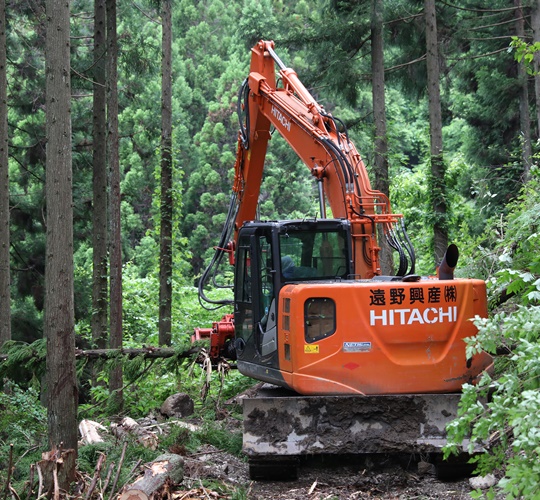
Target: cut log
<point x="89" y="431"/>
<point x="167" y="468"/>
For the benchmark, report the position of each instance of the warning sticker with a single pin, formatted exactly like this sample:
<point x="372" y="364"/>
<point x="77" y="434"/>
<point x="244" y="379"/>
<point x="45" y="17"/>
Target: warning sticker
<point x="356" y="346"/>
<point x="311" y="348"/>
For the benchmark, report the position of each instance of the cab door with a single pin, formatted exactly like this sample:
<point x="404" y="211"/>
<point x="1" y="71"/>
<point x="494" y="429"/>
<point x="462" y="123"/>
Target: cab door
<point x="255" y="301"/>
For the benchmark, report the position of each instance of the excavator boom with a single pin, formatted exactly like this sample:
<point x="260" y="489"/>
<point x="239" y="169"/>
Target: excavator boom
<point x="328" y="153"/>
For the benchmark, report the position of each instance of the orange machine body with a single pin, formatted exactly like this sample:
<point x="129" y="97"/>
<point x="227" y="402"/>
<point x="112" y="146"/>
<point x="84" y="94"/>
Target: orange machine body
<point x="389" y="338"/>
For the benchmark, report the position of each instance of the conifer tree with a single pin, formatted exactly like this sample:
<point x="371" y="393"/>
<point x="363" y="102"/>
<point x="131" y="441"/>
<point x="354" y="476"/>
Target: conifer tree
<point x="5" y="276"/>
<point x="61" y="376"/>
<point x="166" y="257"/>
<point x="382" y="182"/>
<point x="438" y="169"/>
<point x="100" y="178"/>
<point x="524" y="111"/>
<point x="115" y="241"/>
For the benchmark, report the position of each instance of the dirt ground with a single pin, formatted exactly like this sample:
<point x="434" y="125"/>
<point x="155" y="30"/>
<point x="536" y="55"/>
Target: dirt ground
<point x="373" y="477"/>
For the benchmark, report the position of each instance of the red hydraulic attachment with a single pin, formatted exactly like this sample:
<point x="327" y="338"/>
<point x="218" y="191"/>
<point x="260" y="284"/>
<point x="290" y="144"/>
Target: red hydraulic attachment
<point x="220" y="332"/>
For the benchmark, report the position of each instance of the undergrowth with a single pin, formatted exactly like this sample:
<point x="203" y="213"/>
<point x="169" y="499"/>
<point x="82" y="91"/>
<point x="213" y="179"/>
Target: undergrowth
<point x="23" y="424"/>
<point x="502" y="413"/>
<point x="23" y="432"/>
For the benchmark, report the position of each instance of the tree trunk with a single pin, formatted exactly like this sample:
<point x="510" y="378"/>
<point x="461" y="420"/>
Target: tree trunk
<point x="438" y="169"/>
<point x="524" y="111"/>
<point x="59" y="303"/>
<point x="115" y="380"/>
<point x="165" y="257"/>
<point x="99" y="215"/>
<point x="5" y="279"/>
<point x="379" y="117"/>
<point x="535" y="22"/>
<point x="148" y="352"/>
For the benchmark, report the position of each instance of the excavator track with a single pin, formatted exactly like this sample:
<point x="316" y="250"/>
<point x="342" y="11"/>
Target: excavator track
<point x="280" y="427"/>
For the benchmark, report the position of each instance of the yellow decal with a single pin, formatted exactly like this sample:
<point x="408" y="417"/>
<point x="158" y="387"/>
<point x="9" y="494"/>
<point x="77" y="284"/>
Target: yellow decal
<point x="311" y="349"/>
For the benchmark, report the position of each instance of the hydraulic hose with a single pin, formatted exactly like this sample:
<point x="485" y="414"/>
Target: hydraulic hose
<point x="346" y="168"/>
<point x="212" y="268"/>
<point x="243" y="99"/>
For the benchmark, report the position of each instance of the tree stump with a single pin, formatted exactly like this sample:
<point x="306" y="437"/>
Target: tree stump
<point x="56" y="471"/>
<point x="165" y="468"/>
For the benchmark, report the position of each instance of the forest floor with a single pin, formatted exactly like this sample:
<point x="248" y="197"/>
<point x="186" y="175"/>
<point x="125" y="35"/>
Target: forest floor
<point x="370" y="477"/>
<point x="211" y="473"/>
<point x="324" y="478"/>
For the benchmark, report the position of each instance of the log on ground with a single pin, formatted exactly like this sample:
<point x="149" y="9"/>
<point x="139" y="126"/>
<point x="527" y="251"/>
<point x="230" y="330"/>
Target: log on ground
<point x="165" y="469"/>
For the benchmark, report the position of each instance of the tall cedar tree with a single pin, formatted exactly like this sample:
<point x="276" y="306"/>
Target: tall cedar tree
<point x="115" y="243"/>
<point x="165" y="254"/>
<point x="59" y="301"/>
<point x="5" y="295"/>
<point x="99" y="160"/>
<point x="438" y="185"/>
<point x="382" y="182"/>
<point x="524" y="111"/>
<point x="535" y="24"/>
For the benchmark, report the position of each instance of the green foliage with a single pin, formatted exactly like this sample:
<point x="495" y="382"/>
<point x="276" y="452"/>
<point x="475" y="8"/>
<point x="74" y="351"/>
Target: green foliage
<point x="220" y="437"/>
<point x="134" y="454"/>
<point x="525" y="52"/>
<point x="25" y="363"/>
<point x="22" y="418"/>
<point x="257" y="22"/>
<point x="517" y="272"/>
<point x="507" y="422"/>
<point x="147" y="383"/>
<point x="23" y="424"/>
<point x="502" y="413"/>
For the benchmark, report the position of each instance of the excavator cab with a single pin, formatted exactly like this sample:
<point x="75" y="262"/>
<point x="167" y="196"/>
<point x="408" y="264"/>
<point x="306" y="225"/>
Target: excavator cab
<point x="270" y="255"/>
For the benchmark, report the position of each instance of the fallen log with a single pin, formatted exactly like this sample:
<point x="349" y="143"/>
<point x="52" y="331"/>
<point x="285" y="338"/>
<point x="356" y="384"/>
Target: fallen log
<point x="147" y="352"/>
<point x="165" y="469"/>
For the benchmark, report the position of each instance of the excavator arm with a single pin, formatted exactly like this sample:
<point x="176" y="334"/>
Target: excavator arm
<point x="269" y="99"/>
<point x="332" y="159"/>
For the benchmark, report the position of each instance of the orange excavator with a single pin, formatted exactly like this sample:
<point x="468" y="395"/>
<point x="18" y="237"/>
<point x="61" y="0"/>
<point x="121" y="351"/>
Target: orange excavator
<point x="357" y="361"/>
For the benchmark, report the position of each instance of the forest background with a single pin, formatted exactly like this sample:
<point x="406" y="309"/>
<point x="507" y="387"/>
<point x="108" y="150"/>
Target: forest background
<point x="490" y="123"/>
